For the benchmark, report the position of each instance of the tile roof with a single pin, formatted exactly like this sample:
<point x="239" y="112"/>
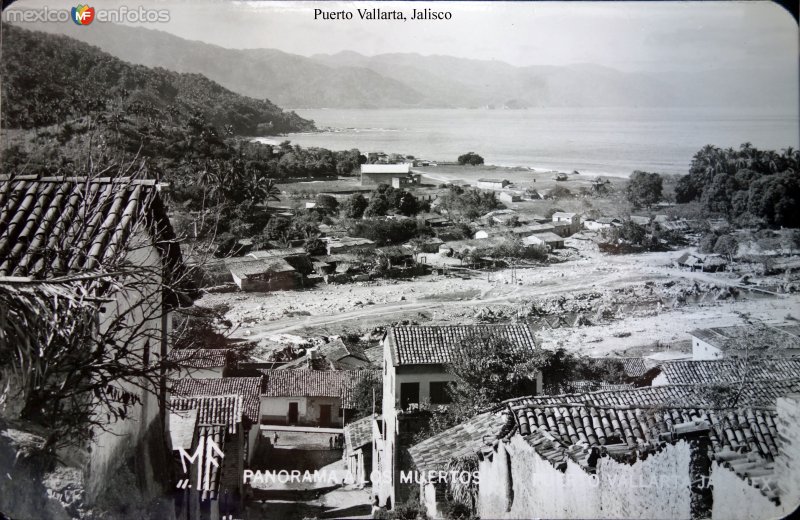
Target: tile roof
<point x="730" y="370"/>
<point x="618" y="421"/>
<point x="593" y="386"/>
<point x="246" y="266"/>
<point x="210" y="474"/>
<point x="754" y="393"/>
<point x="634" y="366"/>
<point x="417" y="345"/>
<point x="750" y="429"/>
<point x="358" y="434"/>
<point x="248" y="387"/>
<point x="782" y="336"/>
<point x="225" y="410"/>
<point x="462" y="440"/>
<point x="759" y="472"/>
<point x="200" y="358"/>
<point x="338" y="349"/>
<point x="316" y="383"/>
<point x="58" y="225"/>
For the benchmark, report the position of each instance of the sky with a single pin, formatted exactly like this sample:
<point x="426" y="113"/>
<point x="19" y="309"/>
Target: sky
<point x="686" y="37"/>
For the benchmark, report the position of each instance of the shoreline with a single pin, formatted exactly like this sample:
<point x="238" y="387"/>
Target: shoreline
<point x="538" y="169"/>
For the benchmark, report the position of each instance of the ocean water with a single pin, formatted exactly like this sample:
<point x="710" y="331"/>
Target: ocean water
<point x="604" y="141"/>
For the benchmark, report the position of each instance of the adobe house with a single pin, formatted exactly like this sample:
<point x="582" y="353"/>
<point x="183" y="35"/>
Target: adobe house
<point x="193" y="422"/>
<point x="550" y="240"/>
<point x="572" y="220"/>
<point x="46" y="231"/>
<point x="639" y="453"/>
<point x="601" y="223"/>
<point x="310" y="397"/>
<point x="248" y="388"/>
<point x="263" y="274"/>
<point x="415" y="360"/>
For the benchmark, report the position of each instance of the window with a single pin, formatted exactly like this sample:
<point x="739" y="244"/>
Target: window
<point x="409" y="394"/>
<point x="439" y="393"/>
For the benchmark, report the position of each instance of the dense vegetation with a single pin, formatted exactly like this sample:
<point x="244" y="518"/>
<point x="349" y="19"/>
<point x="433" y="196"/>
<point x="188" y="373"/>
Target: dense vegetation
<point x="644" y="189"/>
<point x="49" y="79"/>
<point x="749" y="186"/>
<point x="470" y="158"/>
<point x="105" y="115"/>
<point x="631" y="237"/>
<point x="467" y="203"/>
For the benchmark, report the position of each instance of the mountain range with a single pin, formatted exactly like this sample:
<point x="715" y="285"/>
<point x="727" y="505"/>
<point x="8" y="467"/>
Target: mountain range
<point x="351" y="80"/>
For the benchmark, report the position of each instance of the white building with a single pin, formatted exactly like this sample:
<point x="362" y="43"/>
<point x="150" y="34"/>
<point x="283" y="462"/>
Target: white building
<point x="374" y="174"/>
<point x="415" y="374"/>
<point x="492" y="184"/>
<point x="569" y="219"/>
<point x="722" y="342"/>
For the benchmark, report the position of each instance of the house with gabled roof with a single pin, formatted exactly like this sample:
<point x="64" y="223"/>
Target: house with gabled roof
<point x="639" y="453"/>
<point x="415" y="374"/>
<point x="53" y="227"/>
<point x="263" y="273"/>
<point x="310" y="397"/>
<point x="210" y="490"/>
<point x="728" y="371"/>
<point x="724" y="342"/>
<point x="248" y="388"/>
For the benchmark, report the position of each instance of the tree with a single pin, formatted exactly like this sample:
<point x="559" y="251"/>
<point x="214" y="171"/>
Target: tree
<point x="354" y="206"/>
<point x="327" y="203"/>
<point x="490" y="369"/>
<point x="408" y="205"/>
<point x="368" y="396"/>
<point x="470" y="158"/>
<point x="727" y="245"/>
<point x="279" y="228"/>
<point x="644" y="189"/>
<point x="377" y="206"/>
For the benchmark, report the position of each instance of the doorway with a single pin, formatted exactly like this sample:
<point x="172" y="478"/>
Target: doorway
<point x="293" y="413"/>
<point x="324" y="415"/>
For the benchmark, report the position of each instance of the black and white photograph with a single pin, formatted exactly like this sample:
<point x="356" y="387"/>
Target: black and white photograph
<point x="400" y="260"/>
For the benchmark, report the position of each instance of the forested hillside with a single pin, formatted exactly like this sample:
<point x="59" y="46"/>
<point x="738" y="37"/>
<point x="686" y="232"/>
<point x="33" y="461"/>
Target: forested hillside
<point x="50" y="79"/>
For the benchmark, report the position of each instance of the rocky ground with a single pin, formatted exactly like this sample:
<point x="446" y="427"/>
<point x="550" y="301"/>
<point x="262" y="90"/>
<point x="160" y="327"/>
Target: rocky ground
<point x="588" y="302"/>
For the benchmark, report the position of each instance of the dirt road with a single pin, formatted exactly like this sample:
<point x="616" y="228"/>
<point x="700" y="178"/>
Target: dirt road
<point x="336" y="308"/>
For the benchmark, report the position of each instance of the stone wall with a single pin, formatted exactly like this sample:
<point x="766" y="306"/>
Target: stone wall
<point x="787" y="466"/>
<point x="734" y="499"/>
<point x="518" y="483"/>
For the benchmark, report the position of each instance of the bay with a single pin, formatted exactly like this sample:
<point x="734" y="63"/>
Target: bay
<point x="601" y="141"/>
